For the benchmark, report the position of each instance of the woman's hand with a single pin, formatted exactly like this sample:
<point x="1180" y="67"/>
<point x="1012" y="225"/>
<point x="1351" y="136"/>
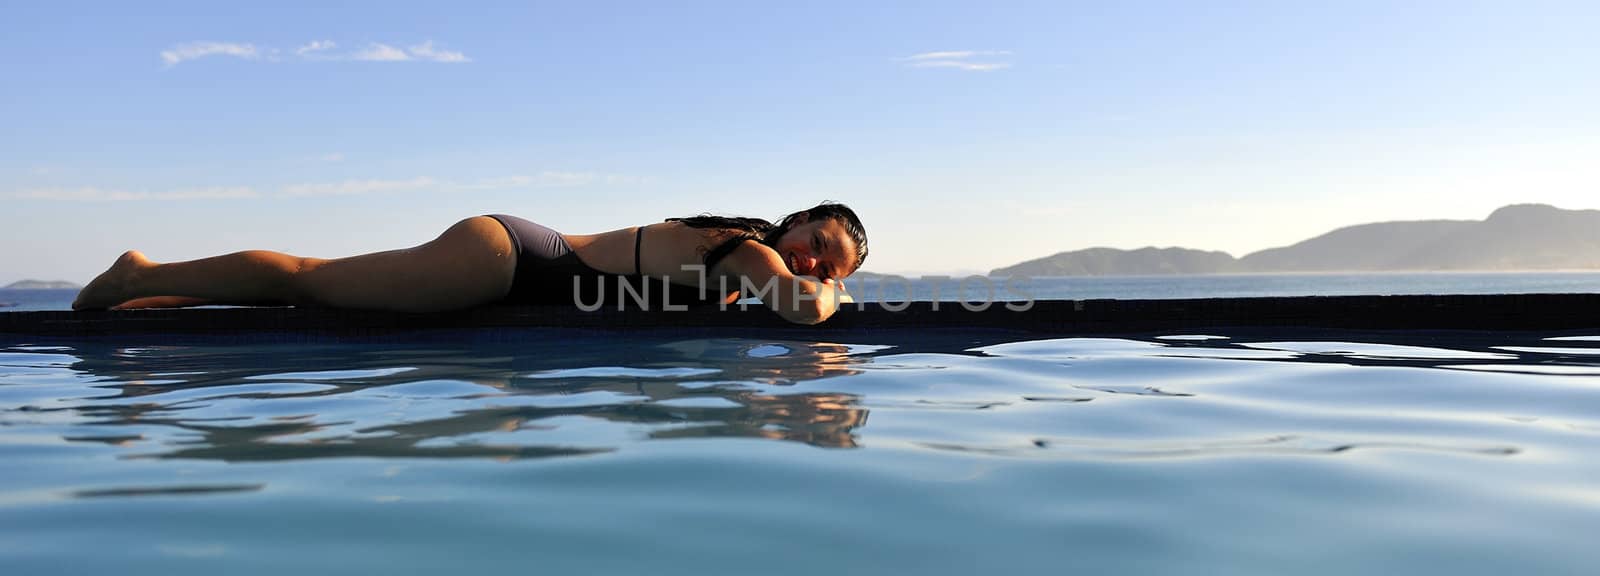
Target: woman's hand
<point x="839" y="289"/>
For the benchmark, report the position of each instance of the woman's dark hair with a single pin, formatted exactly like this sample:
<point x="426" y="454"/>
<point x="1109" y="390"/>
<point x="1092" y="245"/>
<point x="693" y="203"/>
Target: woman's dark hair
<point x="768" y="233"/>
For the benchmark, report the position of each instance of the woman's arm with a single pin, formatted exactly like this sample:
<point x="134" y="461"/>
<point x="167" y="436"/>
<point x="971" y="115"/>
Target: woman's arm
<point x="797" y="299"/>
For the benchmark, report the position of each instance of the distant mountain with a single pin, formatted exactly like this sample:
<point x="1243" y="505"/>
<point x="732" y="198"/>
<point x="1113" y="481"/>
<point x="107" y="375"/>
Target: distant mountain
<point x="1115" y="262"/>
<point x="42" y="285"/>
<point x="1360" y="247"/>
<point x="1517" y="237"/>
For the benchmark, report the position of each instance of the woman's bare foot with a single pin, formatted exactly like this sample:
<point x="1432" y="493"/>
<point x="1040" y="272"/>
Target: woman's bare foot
<point x="110" y="288"/>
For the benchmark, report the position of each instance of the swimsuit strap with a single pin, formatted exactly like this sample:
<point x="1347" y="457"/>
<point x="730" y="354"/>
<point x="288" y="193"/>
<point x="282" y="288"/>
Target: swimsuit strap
<point x="638" y="235"/>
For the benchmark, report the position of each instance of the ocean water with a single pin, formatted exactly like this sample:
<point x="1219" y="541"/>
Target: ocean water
<point x="1122" y="287"/>
<point x="648" y="452"/>
<point x="979" y="289"/>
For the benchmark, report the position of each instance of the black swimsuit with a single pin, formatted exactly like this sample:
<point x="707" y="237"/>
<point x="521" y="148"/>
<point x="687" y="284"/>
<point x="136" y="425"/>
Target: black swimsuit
<point x="549" y="272"/>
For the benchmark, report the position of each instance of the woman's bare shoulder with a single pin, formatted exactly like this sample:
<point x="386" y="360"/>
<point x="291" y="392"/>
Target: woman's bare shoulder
<point x="700" y="240"/>
<point x="676" y="249"/>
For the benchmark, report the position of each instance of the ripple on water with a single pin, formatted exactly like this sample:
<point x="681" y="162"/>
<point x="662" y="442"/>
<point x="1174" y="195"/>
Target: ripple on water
<point x="334" y="374"/>
<point x="623" y="372"/>
<point x="1378" y="351"/>
<point x="1157" y="454"/>
<point x="1548" y="369"/>
<point x="1560" y="351"/>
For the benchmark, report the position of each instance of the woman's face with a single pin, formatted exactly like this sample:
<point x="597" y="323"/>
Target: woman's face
<point x="821" y="249"/>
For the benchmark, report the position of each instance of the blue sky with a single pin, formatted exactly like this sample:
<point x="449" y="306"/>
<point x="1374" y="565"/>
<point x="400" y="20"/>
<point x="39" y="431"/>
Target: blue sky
<point x="968" y="135"/>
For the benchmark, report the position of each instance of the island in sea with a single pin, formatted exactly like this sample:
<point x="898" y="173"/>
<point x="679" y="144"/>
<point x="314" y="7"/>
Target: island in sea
<point x="42" y="285"/>
<point x="1519" y="237"/>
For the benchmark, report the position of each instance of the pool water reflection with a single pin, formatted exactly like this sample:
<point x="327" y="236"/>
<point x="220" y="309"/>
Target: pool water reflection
<point x="935" y="452"/>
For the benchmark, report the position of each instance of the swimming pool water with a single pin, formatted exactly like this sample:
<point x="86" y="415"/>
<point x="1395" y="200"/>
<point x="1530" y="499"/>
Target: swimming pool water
<point x="890" y="453"/>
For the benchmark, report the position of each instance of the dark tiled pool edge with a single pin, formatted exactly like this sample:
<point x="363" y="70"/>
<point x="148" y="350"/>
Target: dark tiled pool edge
<point x="1430" y="312"/>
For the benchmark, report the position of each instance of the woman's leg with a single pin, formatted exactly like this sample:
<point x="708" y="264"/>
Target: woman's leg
<point x="162" y="302"/>
<point x="472" y="263"/>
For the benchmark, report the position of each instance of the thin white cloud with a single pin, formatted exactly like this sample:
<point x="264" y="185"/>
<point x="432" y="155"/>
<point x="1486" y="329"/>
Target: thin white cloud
<point x="970" y="66"/>
<point x="426" y="51"/>
<point x="315" y="50"/>
<point x="351" y="187"/>
<point x="547" y="179"/>
<point x="968" y="60"/>
<point x="93" y="194"/>
<point x="192" y="50"/>
<point x="334" y="157"/>
<point x="957" y="54"/>
<point x="376" y="52"/>
<point x="499" y="183"/>
<point x="567" y="179"/>
<point x="314" y="47"/>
